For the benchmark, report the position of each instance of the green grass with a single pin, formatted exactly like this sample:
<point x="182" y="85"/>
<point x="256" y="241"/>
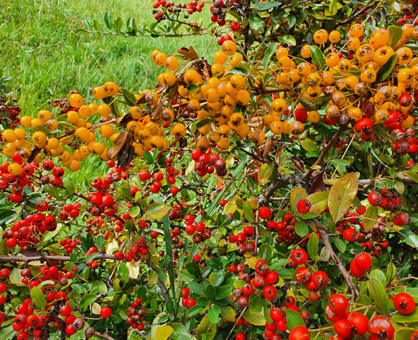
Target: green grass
<point x="38" y="48"/>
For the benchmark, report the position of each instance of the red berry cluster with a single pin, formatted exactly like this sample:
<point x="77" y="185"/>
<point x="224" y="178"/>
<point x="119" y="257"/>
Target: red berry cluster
<point x="9" y="111"/>
<point x="188" y="9"/>
<point x="69" y="211"/>
<point x="360" y="264"/>
<point x="135" y="252"/>
<point x="408" y="13"/>
<point x="29" y="230"/>
<point x="205" y="163"/>
<point x="136" y="315"/>
<point x="389" y="201"/>
<point x="186" y="301"/>
<point x="69" y="245"/>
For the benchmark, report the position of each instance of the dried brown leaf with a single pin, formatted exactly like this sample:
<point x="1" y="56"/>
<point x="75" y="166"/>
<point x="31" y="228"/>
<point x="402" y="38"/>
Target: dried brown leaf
<point x="188" y="52"/>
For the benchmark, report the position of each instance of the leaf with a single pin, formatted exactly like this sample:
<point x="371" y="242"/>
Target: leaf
<point x="411" y="175"/>
<point x="291" y="20"/>
<point x="206" y="328"/>
<point x="404" y="333"/>
<point x="390" y="273"/>
<point x="41" y="128"/>
<point x="293" y="319"/>
<point x="395" y="34"/>
<point x="6" y="216"/>
<point x="248" y="212"/>
<point x="164" y="332"/>
<point x="70" y="188"/>
<point x="333" y="9"/>
<point x="317" y="57"/>
<point x="228" y="313"/>
<point x="219" y="278"/>
<point x="38" y="297"/>
<point x="134" y="211"/>
<point x="313" y="246"/>
<point x="265" y="172"/>
<point x="203" y="122"/>
<point x="108" y="20"/>
<point x="302" y="229"/>
<point x="210" y="292"/>
<point x="287" y="39"/>
<point x="257" y="319"/>
<point x="325" y="254"/>
<point x="268" y="54"/>
<point x="307" y="104"/>
<point x="386" y="69"/>
<point x="341" y="246"/>
<point x="371" y="217"/>
<point x="129" y="97"/>
<point x="400" y="318"/>
<point x="319" y="201"/>
<point x="297" y="195"/>
<point x="223" y="292"/>
<point x="399" y="187"/>
<point x="342" y="195"/>
<point x="411" y="238"/>
<point x="279" y="263"/>
<point x="268" y="5"/>
<point x="156" y="211"/>
<point x="230" y="208"/>
<point x="15" y="276"/>
<point x="265" y="252"/>
<point x="7" y="333"/>
<point x="379" y="296"/>
<point x="308" y="144"/>
<point x="256" y="304"/>
<point x="213" y="314"/>
<point x="87" y="301"/>
<point x="153" y="279"/>
<point x="168" y="247"/>
<point x="256" y="23"/>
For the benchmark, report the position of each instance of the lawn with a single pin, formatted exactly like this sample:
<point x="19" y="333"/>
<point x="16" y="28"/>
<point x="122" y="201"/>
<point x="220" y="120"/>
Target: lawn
<point x="47" y="60"/>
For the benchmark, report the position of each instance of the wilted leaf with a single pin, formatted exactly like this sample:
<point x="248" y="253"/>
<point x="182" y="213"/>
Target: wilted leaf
<point x="156" y="211"/>
<point x="319" y="201"/>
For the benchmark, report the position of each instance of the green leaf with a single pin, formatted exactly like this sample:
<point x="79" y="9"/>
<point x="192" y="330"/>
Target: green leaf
<point x="404" y="333"/>
<point x="213" y="314"/>
<point x="265" y="252"/>
<point x="342" y="195"/>
<point x="308" y="144"/>
<point x="210" y="292"/>
<point x="153" y="279"/>
<point x="248" y="212"/>
<point x="333" y="9"/>
<point x="317" y="57"/>
<point x="307" y="104"/>
<point x="269" y="53"/>
<point x="267" y="5"/>
<point x="279" y="263"/>
<point x="293" y="319"/>
<point x="156" y="211"/>
<point x="130" y="99"/>
<point x="265" y="172"/>
<point x="203" y="122"/>
<point x="70" y="188"/>
<point x="256" y="23"/>
<point x="41" y="128"/>
<point x="411" y="175"/>
<point x="256" y="304"/>
<point x="390" y="273"/>
<point x="341" y="246"/>
<point x="319" y="202"/>
<point x="313" y="246"/>
<point x="287" y="39"/>
<point x="302" y="229"/>
<point x="386" y="69"/>
<point x="219" y="278"/>
<point x="371" y="216"/>
<point x="134" y="211"/>
<point x="38" y="297"/>
<point x="230" y="208"/>
<point x="7" y="333"/>
<point x="410" y="318"/>
<point x="257" y="319"/>
<point x="379" y="296"/>
<point x="118" y="24"/>
<point x="291" y="19"/>
<point x="223" y="292"/>
<point x="411" y="238"/>
<point x="228" y="313"/>
<point x="6" y="216"/>
<point x="206" y="328"/>
<point x="395" y="34"/>
<point x="87" y="301"/>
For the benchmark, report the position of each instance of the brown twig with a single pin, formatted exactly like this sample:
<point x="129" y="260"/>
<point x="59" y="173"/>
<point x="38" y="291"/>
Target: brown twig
<point x="338" y="263"/>
<point x="104" y="336"/>
<point x="353" y="17"/>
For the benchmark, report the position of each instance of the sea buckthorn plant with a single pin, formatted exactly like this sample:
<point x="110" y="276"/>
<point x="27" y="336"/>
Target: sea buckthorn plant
<point x="267" y="190"/>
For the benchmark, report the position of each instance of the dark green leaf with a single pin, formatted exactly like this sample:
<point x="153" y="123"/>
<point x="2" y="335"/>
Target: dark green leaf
<point x="386" y="69"/>
<point x="203" y="122"/>
<point x="267" y="5"/>
<point x="129" y="97"/>
<point x="317" y="57"/>
<point x="87" y="301"/>
<point x="302" y="229"/>
<point x="268" y="54"/>
<point x="168" y="247"/>
<point x="108" y="20"/>
<point x="341" y="246"/>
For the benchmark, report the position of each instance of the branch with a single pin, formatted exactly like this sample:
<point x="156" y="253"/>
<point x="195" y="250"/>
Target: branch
<point x="337" y="261"/>
<point x="353" y="17"/>
<point x="104" y="336"/>
<point x="164" y="290"/>
<point x="169" y="35"/>
<point x="325" y="150"/>
<point x="45" y="258"/>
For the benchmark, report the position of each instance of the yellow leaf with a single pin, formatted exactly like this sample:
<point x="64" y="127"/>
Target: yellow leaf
<point x="319" y="201"/>
<point x="163" y="332"/>
<point x="228" y="313"/>
<point x="251" y="261"/>
<point x="95" y="308"/>
<point x="342" y="195"/>
<point x="297" y="195"/>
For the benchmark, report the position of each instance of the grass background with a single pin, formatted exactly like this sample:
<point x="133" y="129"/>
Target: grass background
<point x="36" y="50"/>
